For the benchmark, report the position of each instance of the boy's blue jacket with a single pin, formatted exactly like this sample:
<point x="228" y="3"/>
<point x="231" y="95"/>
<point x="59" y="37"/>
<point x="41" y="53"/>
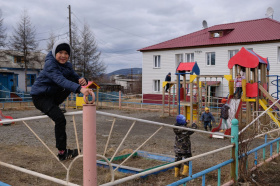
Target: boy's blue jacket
<point x="55" y="77"/>
<point x="207" y="117"/>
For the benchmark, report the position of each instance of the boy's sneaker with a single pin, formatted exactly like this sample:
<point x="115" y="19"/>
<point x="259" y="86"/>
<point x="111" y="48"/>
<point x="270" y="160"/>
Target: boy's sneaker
<point x="68" y="154"/>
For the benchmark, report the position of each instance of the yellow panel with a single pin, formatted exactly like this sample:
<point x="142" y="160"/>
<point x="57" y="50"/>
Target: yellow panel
<point x="194" y="113"/>
<point x="200" y="84"/>
<point x="164" y="83"/>
<point x="244" y="89"/>
<point x="265" y="102"/>
<point x="192" y="77"/>
<point x="250" y="100"/>
<point x="228" y="77"/>
<point x="80" y="101"/>
<point x="231" y="87"/>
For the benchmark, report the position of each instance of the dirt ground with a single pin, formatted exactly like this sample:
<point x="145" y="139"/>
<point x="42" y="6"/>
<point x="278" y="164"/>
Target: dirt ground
<point x="18" y="146"/>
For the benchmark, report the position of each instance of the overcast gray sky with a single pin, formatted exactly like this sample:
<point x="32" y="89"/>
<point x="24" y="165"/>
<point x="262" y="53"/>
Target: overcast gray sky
<point x="123" y="26"/>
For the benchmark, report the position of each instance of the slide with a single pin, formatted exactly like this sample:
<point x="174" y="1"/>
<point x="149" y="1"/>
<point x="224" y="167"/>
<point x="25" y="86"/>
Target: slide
<point x="235" y="106"/>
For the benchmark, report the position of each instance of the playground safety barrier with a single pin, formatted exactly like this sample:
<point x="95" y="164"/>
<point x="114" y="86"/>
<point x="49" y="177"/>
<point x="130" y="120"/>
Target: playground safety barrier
<point x="233" y="161"/>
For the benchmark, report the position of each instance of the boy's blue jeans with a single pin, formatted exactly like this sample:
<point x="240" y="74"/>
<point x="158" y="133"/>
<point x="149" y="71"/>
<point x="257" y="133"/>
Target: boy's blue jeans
<point x="50" y="106"/>
<point x="207" y="123"/>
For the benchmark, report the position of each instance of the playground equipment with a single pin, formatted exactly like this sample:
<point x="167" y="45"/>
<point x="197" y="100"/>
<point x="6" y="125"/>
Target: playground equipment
<point x="255" y="85"/>
<point x="91" y="84"/>
<point x="5" y="118"/>
<point x="195" y="95"/>
<point x="197" y="92"/>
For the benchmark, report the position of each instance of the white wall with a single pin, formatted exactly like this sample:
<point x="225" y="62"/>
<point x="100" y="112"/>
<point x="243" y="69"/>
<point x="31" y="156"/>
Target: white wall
<point x="122" y="83"/>
<point x="149" y="74"/>
<point x="21" y="78"/>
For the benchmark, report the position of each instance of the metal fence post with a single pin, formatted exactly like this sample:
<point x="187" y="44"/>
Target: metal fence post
<point x="89" y="143"/>
<point x="234" y="141"/>
<point x="120" y="99"/>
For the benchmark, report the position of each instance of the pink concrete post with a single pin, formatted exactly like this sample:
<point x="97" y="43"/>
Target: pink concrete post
<point x="89" y="143"/>
<point x="120" y="99"/>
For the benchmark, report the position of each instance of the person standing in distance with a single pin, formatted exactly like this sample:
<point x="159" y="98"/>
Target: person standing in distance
<point x="167" y="78"/>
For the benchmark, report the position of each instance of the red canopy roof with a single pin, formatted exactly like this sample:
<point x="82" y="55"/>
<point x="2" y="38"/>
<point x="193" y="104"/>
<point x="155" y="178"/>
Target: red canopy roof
<point x="246" y="58"/>
<point x="189" y="67"/>
<point x="186" y="66"/>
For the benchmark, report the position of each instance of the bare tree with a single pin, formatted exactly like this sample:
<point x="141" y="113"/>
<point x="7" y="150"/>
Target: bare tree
<point x="51" y="41"/>
<point x="23" y="40"/>
<point x="2" y="31"/>
<point x="90" y="64"/>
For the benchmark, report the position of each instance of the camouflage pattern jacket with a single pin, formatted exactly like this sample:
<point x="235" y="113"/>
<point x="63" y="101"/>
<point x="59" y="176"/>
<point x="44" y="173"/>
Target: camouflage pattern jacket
<point x="182" y="140"/>
<point x="224" y="111"/>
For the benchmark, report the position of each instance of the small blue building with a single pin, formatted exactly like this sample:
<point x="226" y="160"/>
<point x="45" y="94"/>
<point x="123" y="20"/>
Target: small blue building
<point x="12" y="72"/>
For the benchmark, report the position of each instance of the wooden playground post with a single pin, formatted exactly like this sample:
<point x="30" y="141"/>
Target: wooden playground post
<point x="184" y="94"/>
<point x="231" y="72"/>
<point x="163" y="100"/>
<point x="199" y="97"/>
<point x="169" y="100"/>
<point x="191" y="102"/>
<point x="257" y="80"/>
<point x="248" y="108"/>
<point x="178" y="92"/>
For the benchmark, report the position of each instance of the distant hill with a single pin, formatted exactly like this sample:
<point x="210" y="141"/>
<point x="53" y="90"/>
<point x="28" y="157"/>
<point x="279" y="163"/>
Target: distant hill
<point x="126" y="71"/>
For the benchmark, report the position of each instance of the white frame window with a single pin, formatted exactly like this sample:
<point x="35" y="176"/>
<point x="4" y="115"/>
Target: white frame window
<point x="189" y="57"/>
<point x="156" y="85"/>
<point x="178" y="58"/>
<point x="210" y="59"/>
<point x="231" y="53"/>
<point x="157" y="61"/>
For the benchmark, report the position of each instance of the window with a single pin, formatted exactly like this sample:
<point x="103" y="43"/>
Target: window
<point x="216" y="34"/>
<point x="231" y="53"/>
<point x="179" y="58"/>
<point x="18" y="59"/>
<point x="189" y="57"/>
<point x="30" y="79"/>
<point x="156" y="85"/>
<point x="157" y="61"/>
<point x="210" y="58"/>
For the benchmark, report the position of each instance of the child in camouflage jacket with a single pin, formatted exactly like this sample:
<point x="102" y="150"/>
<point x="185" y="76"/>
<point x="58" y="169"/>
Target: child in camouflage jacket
<point x="182" y="147"/>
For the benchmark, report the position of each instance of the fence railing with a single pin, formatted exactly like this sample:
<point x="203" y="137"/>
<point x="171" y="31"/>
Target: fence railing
<point x="234" y="151"/>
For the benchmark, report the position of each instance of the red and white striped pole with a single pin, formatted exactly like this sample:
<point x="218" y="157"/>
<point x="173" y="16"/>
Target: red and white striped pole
<point x="89" y="143"/>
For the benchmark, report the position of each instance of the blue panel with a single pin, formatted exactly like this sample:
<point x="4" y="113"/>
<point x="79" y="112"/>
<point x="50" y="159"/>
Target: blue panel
<point x="4" y="184"/>
<point x="196" y="69"/>
<point x="159" y="157"/>
<point x="127" y="171"/>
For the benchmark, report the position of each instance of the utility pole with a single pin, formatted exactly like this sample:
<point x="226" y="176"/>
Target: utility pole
<point x="70" y="34"/>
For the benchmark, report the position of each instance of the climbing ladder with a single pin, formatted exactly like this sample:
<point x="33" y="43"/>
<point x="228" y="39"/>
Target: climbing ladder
<point x="263" y="103"/>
